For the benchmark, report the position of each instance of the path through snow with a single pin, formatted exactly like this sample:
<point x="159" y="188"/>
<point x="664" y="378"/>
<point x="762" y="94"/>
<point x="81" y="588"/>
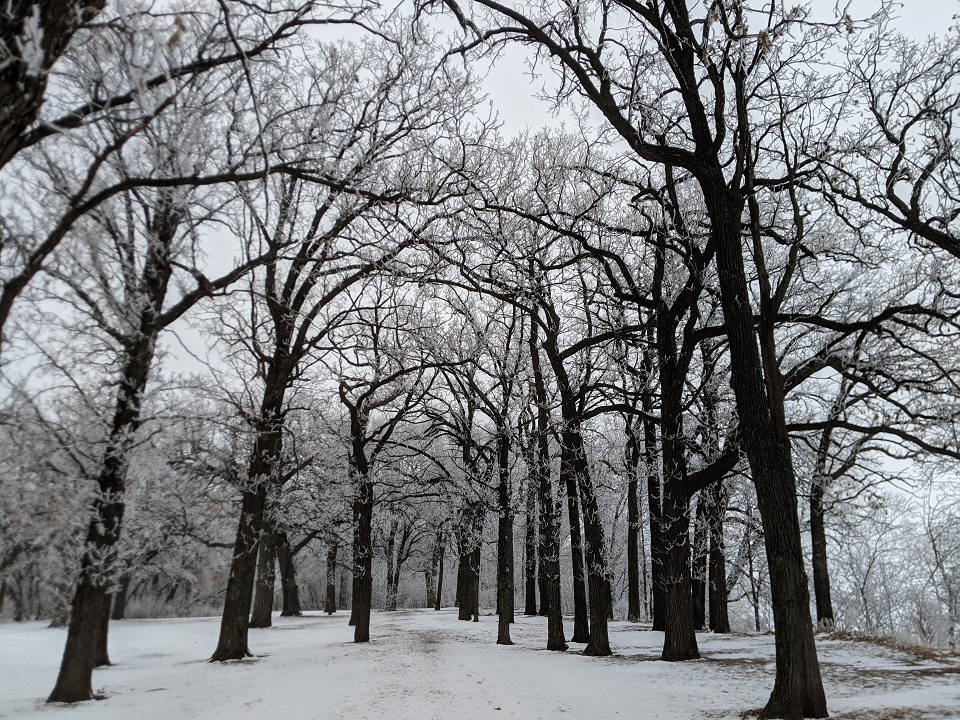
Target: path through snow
<point x="424" y="665"/>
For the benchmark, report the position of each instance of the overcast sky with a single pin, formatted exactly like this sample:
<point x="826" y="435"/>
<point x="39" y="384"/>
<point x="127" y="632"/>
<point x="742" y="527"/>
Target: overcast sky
<point x="512" y="93"/>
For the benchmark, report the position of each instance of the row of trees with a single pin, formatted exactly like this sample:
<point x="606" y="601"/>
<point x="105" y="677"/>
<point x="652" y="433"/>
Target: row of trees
<point x="727" y="291"/>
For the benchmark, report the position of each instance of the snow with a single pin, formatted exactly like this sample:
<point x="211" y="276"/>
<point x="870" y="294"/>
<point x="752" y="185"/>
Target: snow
<point x="423" y="665"/>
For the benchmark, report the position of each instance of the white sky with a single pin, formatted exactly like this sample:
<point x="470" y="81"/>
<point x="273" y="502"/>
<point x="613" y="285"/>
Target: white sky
<point x="512" y="92"/>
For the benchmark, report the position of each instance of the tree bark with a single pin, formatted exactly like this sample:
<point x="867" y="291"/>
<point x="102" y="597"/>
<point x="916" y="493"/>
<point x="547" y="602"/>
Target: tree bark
<point x="363" y="558"/>
<point x="798" y="687"/>
<point x="120" y="599"/>
<point x="505" y="580"/>
<point x="262" y="615"/>
<point x="581" y="625"/>
<point x="102" y="654"/>
<point x="392" y="580"/>
<point x="330" y="603"/>
<point x="716" y="510"/>
<point x="680" y="639"/>
<point x="632" y="456"/>
<point x="700" y="557"/>
<point x="232" y="643"/>
<point x="656" y="521"/>
<point x="439" y="556"/>
<point x="468" y="573"/>
<point x="90" y="611"/>
<point x="530" y="550"/>
<point x="821" y="570"/>
<point x="538" y="461"/>
<point x="288" y="577"/>
<point x="22" y="86"/>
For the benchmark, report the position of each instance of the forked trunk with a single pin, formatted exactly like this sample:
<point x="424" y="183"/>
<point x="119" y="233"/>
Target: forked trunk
<point x="798" y="687"/>
<point x="234" y="625"/>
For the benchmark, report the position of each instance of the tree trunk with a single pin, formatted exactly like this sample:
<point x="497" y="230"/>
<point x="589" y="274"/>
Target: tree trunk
<point x="719" y="618"/>
<point x="262" y="615"/>
<point x="232" y="644"/>
<point x="363" y="559"/>
<point x="120" y="599"/>
<point x="538" y="461"/>
<point x="530" y="550"/>
<point x="680" y="638"/>
<point x="103" y="656"/>
<point x="439" y="556"/>
<point x="288" y="577"/>
<point x="468" y="573"/>
<point x="632" y="457"/>
<point x="505" y="584"/>
<point x="343" y="596"/>
<point x="656" y="521"/>
<point x="698" y="575"/>
<point x="391" y="600"/>
<point x="330" y="603"/>
<point x="262" y="472"/>
<point x="90" y="611"/>
<point x="757" y="385"/>
<point x="821" y="571"/>
<point x="474" y="595"/>
<point x="581" y="625"/>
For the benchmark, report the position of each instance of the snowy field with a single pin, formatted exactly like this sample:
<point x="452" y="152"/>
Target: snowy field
<point x="423" y="665"/>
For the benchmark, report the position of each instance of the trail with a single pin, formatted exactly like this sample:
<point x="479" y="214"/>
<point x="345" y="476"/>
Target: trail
<point x="425" y="665"/>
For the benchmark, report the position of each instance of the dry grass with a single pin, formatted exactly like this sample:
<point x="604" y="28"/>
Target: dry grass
<point x="916" y="649"/>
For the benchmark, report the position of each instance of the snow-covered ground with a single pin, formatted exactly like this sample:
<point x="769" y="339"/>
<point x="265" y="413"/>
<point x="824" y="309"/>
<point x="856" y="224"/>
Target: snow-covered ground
<point x="423" y="665"/>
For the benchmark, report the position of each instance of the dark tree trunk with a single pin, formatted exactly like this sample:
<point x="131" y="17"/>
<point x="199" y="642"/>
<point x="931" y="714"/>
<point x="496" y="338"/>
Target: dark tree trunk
<point x="363" y="559"/>
<point x="90" y="611"/>
<point x="288" y="577"/>
<point x="461" y="583"/>
<point x="120" y="599"/>
<point x="102" y="655"/>
<point x="757" y="385"/>
<point x="74" y="682"/>
<point x="680" y="638"/>
<point x="343" y="596"/>
<point x="330" y="603"/>
<point x="262" y="472"/>
<point x="821" y="571"/>
<point x="701" y="553"/>
<point x="574" y="458"/>
<point x="438" y="554"/>
<point x="656" y="520"/>
<point x="581" y="625"/>
<point x="22" y="86"/>
<point x="716" y="511"/>
<point x="538" y="461"/>
<point x="392" y="579"/>
<point x="505" y="580"/>
<point x="530" y="550"/>
<point x="234" y="625"/>
<point x="633" y="455"/>
<point x="468" y="573"/>
<point x="474" y="596"/>
<point x="262" y="615"/>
